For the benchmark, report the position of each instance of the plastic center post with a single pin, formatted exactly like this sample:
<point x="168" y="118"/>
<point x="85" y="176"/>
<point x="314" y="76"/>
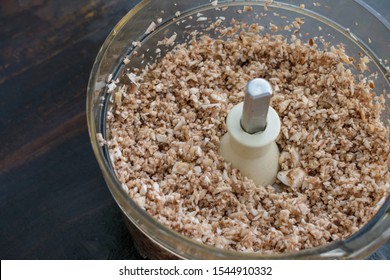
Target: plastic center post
<point x="253" y="127"/>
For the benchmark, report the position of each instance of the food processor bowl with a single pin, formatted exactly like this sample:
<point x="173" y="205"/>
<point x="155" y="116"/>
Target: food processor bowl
<point x="351" y="23"/>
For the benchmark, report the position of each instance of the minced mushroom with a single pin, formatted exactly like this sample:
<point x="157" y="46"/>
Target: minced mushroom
<point x="335" y="151"/>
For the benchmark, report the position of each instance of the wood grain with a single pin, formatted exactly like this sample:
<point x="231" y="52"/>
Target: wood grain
<point x="54" y="203"/>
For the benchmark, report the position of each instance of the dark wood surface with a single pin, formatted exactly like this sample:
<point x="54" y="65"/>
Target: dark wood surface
<point x="54" y="203"/>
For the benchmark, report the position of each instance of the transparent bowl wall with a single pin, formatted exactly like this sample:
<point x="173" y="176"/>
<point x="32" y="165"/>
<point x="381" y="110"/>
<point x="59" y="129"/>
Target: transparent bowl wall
<point x="350" y="22"/>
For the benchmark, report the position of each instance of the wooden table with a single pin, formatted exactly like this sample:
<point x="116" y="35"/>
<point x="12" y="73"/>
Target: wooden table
<point x="54" y="203"/>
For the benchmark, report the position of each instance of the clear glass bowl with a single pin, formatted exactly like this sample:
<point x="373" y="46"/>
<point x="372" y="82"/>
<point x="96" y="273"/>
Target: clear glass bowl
<point x="350" y="22"/>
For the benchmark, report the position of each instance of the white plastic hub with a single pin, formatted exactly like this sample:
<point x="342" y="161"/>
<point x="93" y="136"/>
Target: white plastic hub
<point x="255" y="155"/>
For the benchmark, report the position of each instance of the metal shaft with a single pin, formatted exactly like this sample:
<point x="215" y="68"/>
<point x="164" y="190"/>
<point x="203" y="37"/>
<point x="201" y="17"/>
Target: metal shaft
<point x="256" y="102"/>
